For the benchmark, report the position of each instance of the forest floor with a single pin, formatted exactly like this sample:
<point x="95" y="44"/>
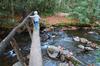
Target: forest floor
<point x="57" y="19"/>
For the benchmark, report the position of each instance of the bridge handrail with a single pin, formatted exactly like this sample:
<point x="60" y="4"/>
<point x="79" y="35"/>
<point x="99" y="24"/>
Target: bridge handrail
<point x="5" y="41"/>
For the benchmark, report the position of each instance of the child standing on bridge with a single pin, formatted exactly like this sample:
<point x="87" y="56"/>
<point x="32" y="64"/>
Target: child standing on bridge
<point x="36" y="19"/>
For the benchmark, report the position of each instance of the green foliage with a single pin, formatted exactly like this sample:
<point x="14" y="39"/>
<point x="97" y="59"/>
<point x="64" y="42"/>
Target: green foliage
<point x="87" y="11"/>
<point x="10" y="8"/>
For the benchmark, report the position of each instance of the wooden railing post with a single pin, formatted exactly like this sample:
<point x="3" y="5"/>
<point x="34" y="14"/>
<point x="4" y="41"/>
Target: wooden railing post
<point x="18" y="53"/>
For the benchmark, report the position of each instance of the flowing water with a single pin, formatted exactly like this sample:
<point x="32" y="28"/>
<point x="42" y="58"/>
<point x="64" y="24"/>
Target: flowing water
<point x="64" y="39"/>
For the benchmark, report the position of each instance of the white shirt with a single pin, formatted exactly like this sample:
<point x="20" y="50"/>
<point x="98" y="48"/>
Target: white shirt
<point x="36" y="17"/>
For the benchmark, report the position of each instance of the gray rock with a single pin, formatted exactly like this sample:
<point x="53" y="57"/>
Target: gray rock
<point x="83" y="40"/>
<point x="76" y="39"/>
<point x="81" y="46"/>
<point x="88" y="48"/>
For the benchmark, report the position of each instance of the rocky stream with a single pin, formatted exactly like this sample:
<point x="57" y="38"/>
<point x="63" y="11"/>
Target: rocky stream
<point x="57" y="37"/>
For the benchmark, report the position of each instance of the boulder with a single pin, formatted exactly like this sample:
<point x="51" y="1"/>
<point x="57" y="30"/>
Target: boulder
<point x="61" y="54"/>
<point x="83" y="40"/>
<point x="52" y="51"/>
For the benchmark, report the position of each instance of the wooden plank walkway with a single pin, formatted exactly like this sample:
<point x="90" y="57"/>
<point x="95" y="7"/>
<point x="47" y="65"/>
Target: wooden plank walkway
<point x="35" y="53"/>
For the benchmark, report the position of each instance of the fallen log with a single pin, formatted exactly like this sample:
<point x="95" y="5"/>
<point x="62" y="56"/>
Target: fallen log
<point x="6" y="40"/>
<point x="35" y="52"/>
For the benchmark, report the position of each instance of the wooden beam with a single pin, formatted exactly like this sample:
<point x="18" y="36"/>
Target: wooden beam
<point x="35" y="53"/>
<point x="6" y="40"/>
<point x="18" y="53"/>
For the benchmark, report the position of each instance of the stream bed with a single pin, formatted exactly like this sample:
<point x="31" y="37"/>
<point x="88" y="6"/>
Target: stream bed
<point x="64" y="39"/>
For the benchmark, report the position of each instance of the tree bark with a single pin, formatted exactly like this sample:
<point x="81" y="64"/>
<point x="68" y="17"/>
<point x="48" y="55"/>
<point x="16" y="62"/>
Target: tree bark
<point x="6" y="40"/>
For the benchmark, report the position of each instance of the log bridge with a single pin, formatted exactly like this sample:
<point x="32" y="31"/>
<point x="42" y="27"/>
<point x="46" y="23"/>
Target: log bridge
<point x="35" y="52"/>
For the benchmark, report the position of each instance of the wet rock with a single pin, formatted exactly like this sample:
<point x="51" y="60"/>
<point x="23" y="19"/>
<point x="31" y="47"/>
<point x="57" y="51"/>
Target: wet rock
<point x="76" y="39"/>
<point x="83" y="40"/>
<point x="85" y="48"/>
<point x="81" y="46"/>
<point x="60" y="54"/>
<point x="55" y="51"/>
<point x="88" y="48"/>
<point x="52" y="51"/>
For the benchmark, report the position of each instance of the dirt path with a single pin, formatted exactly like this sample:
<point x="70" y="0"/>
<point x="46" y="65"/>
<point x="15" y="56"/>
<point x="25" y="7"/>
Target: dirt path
<point x="52" y="20"/>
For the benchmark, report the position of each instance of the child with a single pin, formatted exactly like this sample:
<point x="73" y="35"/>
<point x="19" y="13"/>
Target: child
<point x="36" y="19"/>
